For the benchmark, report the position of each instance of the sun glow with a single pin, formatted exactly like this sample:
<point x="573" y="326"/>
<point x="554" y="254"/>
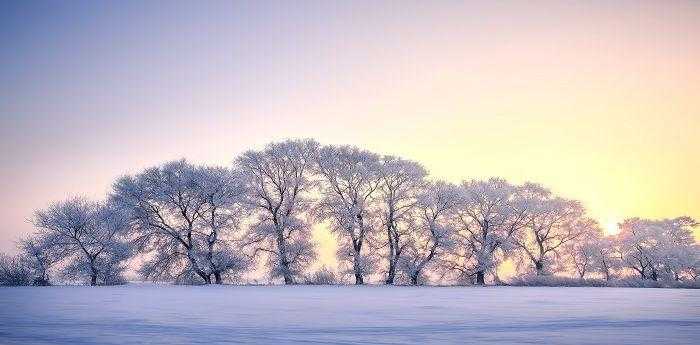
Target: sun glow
<point x="611" y="228"/>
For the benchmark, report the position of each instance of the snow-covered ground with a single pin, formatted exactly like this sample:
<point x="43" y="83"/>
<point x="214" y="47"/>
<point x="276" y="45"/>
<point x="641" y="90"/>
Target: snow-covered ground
<point x="163" y="314"/>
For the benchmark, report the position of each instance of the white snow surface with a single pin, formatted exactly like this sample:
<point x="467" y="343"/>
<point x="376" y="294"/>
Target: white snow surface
<point x="165" y="314"/>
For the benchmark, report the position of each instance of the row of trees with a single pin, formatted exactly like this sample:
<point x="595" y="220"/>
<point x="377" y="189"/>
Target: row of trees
<point x="189" y="223"/>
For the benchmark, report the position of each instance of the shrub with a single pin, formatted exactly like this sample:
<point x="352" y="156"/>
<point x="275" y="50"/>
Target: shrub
<point x="554" y="281"/>
<point x="324" y="276"/>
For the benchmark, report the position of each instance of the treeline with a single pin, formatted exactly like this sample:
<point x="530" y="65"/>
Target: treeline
<point x="394" y="224"/>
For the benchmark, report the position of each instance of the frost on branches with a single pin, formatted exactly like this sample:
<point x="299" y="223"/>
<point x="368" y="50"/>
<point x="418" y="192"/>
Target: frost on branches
<point x="657" y="249"/>
<point x="349" y="182"/>
<point x="185" y="217"/>
<point x="432" y="229"/>
<point x="278" y="182"/>
<point x="394" y="224"/>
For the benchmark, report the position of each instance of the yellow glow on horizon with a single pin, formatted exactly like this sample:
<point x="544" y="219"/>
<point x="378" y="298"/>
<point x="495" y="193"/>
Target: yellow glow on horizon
<point x="611" y="228"/>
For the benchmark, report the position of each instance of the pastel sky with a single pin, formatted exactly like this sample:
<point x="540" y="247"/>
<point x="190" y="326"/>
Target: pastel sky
<point x="598" y="100"/>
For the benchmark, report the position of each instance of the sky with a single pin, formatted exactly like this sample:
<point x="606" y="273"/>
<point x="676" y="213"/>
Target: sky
<point x="597" y="100"/>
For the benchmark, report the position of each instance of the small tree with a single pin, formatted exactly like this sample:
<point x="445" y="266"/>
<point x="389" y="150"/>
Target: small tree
<point x="41" y="254"/>
<point x="15" y="270"/>
<point x="323" y="276"/>
<point x="90" y="236"/>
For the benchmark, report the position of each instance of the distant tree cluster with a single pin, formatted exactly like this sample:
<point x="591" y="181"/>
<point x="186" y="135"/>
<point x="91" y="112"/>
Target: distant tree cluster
<point x="185" y="223"/>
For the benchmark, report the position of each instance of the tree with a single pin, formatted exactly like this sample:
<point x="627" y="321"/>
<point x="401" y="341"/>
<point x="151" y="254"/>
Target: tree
<point x="691" y="271"/>
<point x="186" y="217"/>
<point x="586" y="252"/>
<point x="349" y="180"/>
<point x="91" y="237"/>
<point x="490" y="214"/>
<point x="14" y="270"/>
<point x="657" y="248"/>
<point x="432" y="228"/>
<point x="224" y="193"/>
<point x="550" y="222"/>
<point x="605" y="257"/>
<point x="400" y="182"/>
<point x="41" y="254"/>
<point x="278" y="183"/>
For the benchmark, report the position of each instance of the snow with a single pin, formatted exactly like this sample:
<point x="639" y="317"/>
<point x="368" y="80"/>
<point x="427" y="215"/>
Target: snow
<point x="165" y="314"/>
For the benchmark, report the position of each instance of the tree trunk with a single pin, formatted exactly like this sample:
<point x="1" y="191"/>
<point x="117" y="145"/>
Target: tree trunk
<point x="539" y="267"/>
<point x="357" y="265"/>
<point x="414" y="278"/>
<point x="480" y="278"/>
<point x="288" y="279"/>
<point x="217" y="277"/>
<point x="93" y="273"/>
<point x="392" y="252"/>
<point x="359" y="280"/>
<point x="284" y="262"/>
<point x="392" y="271"/>
<point x="206" y="278"/>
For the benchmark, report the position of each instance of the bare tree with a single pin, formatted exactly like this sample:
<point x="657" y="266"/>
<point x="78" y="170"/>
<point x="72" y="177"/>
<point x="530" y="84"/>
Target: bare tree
<point x="432" y="229"/>
<point x="90" y="236"/>
<point x="490" y="215"/>
<point x="278" y="182"/>
<point x="401" y="181"/>
<point x="550" y="223"/>
<point x="185" y="217"/>
<point x="349" y="179"/>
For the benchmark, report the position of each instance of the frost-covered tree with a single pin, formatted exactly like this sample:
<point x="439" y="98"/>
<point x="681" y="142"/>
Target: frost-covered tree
<point x="691" y="267"/>
<point x="90" y="236"/>
<point x="41" y="253"/>
<point x="400" y="182"/>
<point x="657" y="248"/>
<point x="432" y="229"/>
<point x="490" y="214"/>
<point x="278" y="181"/>
<point x="15" y="270"/>
<point x="349" y="180"/>
<point x="185" y="217"/>
<point x="225" y="209"/>
<point x="585" y="253"/>
<point x="550" y="223"/>
<point x="605" y="258"/>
